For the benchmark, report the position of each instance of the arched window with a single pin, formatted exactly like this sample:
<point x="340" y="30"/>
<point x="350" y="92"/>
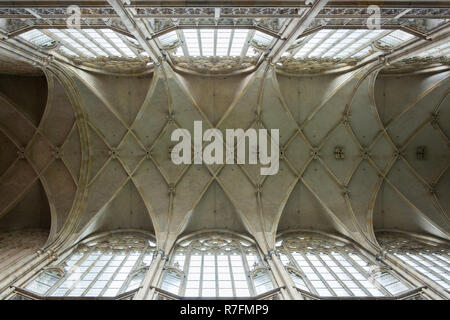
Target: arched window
<point x="329" y="267"/>
<point x="103" y="266"/>
<point x="216" y="265"/>
<point x="429" y="257"/>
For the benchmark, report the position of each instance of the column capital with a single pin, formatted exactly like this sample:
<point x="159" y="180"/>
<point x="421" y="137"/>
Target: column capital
<point x="270" y="253"/>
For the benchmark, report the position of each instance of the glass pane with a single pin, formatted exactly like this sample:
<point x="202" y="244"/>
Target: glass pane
<point x="92" y="270"/>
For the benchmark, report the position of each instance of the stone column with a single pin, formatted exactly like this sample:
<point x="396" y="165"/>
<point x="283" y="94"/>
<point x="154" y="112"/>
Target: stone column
<point x="288" y="291"/>
<point x="147" y="290"/>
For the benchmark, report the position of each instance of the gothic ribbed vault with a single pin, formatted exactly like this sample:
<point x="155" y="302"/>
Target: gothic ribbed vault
<point x="85" y="142"/>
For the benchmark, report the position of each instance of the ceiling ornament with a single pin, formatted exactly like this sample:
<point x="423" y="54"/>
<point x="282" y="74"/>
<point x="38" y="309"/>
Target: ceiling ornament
<point x="214" y="65"/>
<point x="119" y="65"/>
<point x="313" y="65"/>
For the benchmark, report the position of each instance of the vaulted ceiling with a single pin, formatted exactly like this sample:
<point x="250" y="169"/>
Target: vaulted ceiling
<point x="362" y="148"/>
<point x="103" y="162"/>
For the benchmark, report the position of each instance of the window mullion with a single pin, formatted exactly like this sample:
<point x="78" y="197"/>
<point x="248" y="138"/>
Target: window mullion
<point x="87" y="271"/>
<point x="216" y="271"/>
<point x="414" y="258"/>
<point x="364" y="44"/>
<point x="88" y="36"/>
<point x="113" y="255"/>
<point x="438" y="256"/>
<point x="358" y="267"/>
<point x="345" y="271"/>
<point x="102" y="270"/>
<point x="434" y="264"/>
<point x="305" y="278"/>
<point x="231" y="276"/>
<point x="107" y="39"/>
<point x="331" y="271"/>
<point x="202" y="270"/>
<point x="199" y="41"/>
<point x="230" y="43"/>
<point x="351" y="43"/>
<point x="320" y="42"/>
<point x="311" y="265"/>
<point x="130" y="275"/>
<point x="215" y="42"/>
<point x="335" y="42"/>
<point x="114" y="274"/>
<point x="68" y="34"/>
<point x="78" y="266"/>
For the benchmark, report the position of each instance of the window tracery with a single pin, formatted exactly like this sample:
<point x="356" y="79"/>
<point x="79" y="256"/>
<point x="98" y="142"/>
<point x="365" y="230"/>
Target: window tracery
<point x="328" y="267"/>
<point x="104" y="266"/>
<point x="216" y="265"/>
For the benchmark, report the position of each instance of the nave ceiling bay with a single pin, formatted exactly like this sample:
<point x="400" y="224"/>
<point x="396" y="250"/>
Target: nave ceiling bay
<point x="360" y="151"/>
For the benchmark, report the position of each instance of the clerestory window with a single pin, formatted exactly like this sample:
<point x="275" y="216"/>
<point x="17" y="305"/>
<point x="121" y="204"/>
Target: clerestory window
<point x="328" y="267"/>
<point x="216" y="265"/>
<point x="102" y="267"/>
<point x="432" y="259"/>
